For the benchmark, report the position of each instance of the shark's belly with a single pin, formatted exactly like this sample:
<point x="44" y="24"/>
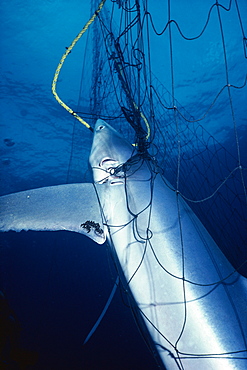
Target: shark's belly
<point x="194" y="311"/>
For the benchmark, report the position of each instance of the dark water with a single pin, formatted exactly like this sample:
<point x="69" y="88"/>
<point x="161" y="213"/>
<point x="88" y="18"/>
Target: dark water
<point x="58" y="283"/>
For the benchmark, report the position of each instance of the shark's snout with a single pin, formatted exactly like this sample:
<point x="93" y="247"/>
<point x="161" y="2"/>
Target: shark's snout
<point x="109" y="151"/>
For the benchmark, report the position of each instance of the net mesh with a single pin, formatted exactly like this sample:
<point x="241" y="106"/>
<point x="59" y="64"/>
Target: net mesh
<point x="210" y="173"/>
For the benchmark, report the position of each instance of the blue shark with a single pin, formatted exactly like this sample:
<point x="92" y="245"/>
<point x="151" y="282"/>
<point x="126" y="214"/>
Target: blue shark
<point x="191" y="301"/>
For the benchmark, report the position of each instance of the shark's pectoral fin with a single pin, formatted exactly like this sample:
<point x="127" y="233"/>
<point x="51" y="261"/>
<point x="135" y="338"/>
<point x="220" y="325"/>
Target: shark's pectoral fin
<point x="72" y="207"/>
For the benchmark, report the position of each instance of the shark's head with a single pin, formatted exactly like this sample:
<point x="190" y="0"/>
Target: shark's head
<point x="109" y="150"/>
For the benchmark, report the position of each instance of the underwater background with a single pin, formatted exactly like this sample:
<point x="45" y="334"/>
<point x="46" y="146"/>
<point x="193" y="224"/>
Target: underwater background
<point x="57" y="283"/>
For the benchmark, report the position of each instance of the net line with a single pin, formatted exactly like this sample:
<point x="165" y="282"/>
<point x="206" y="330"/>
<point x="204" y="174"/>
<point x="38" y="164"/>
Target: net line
<point x="210" y="177"/>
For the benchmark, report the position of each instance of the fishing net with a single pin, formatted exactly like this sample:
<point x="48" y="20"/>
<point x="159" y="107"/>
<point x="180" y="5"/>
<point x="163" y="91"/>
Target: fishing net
<point x="199" y="146"/>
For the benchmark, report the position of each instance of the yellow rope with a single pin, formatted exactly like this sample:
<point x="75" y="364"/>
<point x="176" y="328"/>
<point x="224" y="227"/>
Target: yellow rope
<point x="145" y="121"/>
<point x="68" y="50"/>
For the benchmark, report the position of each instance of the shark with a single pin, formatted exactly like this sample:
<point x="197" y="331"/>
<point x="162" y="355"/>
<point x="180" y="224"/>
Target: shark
<point x="190" y="302"/>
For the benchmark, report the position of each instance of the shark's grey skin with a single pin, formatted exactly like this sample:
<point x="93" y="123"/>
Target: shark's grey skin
<point x="192" y="301"/>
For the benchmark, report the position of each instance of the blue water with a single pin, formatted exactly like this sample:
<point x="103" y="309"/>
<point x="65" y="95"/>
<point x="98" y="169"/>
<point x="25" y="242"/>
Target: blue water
<point x="58" y="283"/>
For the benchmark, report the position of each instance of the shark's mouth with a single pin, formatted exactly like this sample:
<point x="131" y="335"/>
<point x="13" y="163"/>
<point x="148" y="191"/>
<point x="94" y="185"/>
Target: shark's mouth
<point x="109" y="165"/>
<point x="107" y="162"/>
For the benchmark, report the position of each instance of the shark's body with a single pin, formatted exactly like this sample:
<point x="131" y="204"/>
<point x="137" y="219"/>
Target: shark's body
<point x="193" y="303"/>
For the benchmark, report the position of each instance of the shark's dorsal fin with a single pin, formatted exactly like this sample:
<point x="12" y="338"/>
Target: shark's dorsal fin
<point x="72" y="207"/>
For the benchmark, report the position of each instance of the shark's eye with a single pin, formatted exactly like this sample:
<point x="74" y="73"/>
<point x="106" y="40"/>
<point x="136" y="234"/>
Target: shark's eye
<point x="101" y="127"/>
